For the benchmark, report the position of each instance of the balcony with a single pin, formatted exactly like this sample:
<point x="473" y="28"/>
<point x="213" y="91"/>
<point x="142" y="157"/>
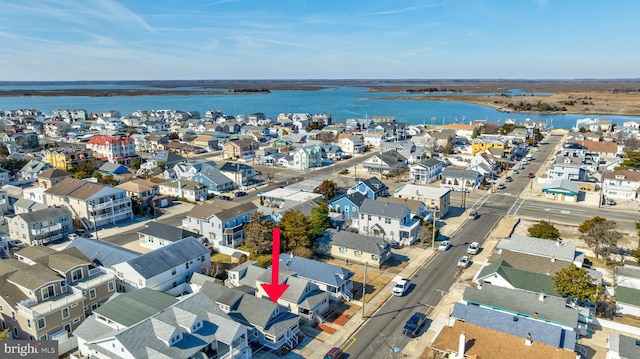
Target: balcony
<point x="110" y="215"/>
<point x="45" y="230"/>
<point x="32" y="308"/>
<point x="110" y="203"/>
<point x="94" y="280"/>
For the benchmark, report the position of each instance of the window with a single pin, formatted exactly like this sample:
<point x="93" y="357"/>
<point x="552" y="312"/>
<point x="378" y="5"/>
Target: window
<point x="186" y="265"/>
<point x="65" y="313"/>
<point x="73" y="305"/>
<point x="76" y="320"/>
<point x="173" y="271"/>
<point x="387" y="220"/>
<point x="357" y="253"/>
<point x="48" y="292"/>
<point x="41" y="323"/>
<point x="110" y="287"/>
<point x="201" y="258"/>
<point x="343" y="250"/>
<point x="92" y="294"/>
<point x="28" y="323"/>
<point x="76" y="275"/>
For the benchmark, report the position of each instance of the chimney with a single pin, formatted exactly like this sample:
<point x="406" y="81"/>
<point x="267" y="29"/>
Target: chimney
<point x="553" y="257"/>
<point x="541" y="296"/>
<point x="528" y="340"/>
<point x="461" y="345"/>
<point x="535" y="315"/>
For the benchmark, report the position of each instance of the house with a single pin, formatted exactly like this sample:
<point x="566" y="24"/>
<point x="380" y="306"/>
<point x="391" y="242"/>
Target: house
<point x="156" y="234"/>
<point x="601" y="150"/>
<point x="141" y="189"/>
<point x="544" y="333"/>
<point x="240" y="173"/>
<point x="93" y="204"/>
<point x="285" y="197"/>
<point x="207" y="142"/>
<point x="561" y="190"/>
<point x="417" y="208"/>
<point x="189" y="190"/>
<point x="405" y="147"/>
<point x="116" y="149"/>
<point x="306" y="157"/>
<point x="469" y="340"/>
<point x="271" y="325"/>
<point x="102" y="253"/>
<point x="329" y="278"/>
<point x="205" y="173"/>
<point x="462" y="130"/>
<point x="502" y="274"/>
<point x="390" y="221"/>
<point x="166" y="158"/>
<point x="24" y="205"/>
<point x="627" y="290"/>
<point x="354" y="247"/>
<point x="425" y="171"/>
<point x="46" y="294"/>
<point x="244" y="148"/>
<point x="550" y="250"/>
<point x="621" y="184"/>
<point x="68" y="157"/>
<point x="481" y="144"/>
<point x="40" y="227"/>
<point x="351" y="144"/>
<point x="347" y="204"/>
<point x="221" y="222"/>
<point x="22" y="140"/>
<point x="32" y="169"/>
<point x="114" y="169"/>
<point x="332" y="152"/>
<point x="4" y="177"/>
<point x="568" y="168"/>
<point x="51" y="177"/>
<point x="372" y="188"/>
<point x="388" y="163"/>
<point x="159" y="326"/>
<point x="620" y="346"/>
<point x="438" y="199"/>
<point x="167" y="268"/>
<point x="461" y="180"/>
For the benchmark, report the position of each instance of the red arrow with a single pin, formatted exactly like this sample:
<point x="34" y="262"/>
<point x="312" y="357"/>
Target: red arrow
<point x="275" y="289"/>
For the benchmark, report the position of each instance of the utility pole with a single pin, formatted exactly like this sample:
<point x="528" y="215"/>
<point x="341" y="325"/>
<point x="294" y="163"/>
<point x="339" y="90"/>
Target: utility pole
<point x="434" y="221"/>
<point x="364" y="288"/>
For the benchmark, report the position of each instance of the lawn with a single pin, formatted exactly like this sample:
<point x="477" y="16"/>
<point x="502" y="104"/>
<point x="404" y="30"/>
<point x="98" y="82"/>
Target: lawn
<point x="221" y="258"/>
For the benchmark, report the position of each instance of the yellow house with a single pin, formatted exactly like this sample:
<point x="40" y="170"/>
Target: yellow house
<point x="66" y="158"/>
<point x="480" y="145"/>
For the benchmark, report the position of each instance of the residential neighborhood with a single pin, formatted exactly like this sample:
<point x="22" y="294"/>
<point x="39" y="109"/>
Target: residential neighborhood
<point x="152" y="234"/>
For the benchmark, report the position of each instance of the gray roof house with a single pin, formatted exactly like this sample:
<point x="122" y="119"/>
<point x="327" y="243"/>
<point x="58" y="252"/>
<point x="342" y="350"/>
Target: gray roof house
<point x="167" y="268"/>
<point x="385" y="162"/>
<point x="191" y="328"/>
<point x="554" y="250"/>
<point x="155" y="234"/>
<point x="354" y="247"/>
<point x="103" y="253"/>
<point x="517" y="325"/>
<point x="329" y="278"/>
<point x="274" y="326"/>
<point x="390" y="221"/>
<point x="460" y="179"/>
<point x="622" y="347"/>
<point x="526" y="304"/>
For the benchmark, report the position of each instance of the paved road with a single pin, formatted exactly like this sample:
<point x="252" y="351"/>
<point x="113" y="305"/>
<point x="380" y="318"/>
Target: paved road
<point x="383" y="330"/>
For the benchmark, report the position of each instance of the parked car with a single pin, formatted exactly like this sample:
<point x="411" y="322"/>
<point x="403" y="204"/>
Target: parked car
<point x="226" y="198"/>
<point x="241" y="194"/>
<point x="516" y="172"/>
<point x="444" y="245"/>
<point x="401" y="287"/>
<point x="464" y="262"/>
<point x="473" y="214"/>
<point x="15" y="244"/>
<point x="508" y="179"/>
<point x="501" y="186"/>
<point x="611" y="202"/>
<point x="334" y="353"/>
<point x="83" y="233"/>
<point x="414" y="325"/>
<point x="73" y="236"/>
<point x="473" y="248"/>
<point x="531" y="175"/>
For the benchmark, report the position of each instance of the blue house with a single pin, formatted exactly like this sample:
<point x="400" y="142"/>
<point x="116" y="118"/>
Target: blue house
<point x="347" y="204"/>
<point x="211" y="177"/>
<point x="113" y="168"/>
<point x="372" y="188"/>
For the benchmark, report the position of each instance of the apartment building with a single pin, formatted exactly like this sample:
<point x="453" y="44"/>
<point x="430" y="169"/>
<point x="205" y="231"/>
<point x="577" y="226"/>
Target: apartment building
<point x="46" y="294"/>
<point x="40" y="227"/>
<point x="116" y="149"/>
<point x="68" y="157"/>
<point x="92" y="204"/>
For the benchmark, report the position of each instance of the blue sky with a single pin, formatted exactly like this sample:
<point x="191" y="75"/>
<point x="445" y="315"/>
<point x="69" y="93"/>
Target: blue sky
<point x="318" y="39"/>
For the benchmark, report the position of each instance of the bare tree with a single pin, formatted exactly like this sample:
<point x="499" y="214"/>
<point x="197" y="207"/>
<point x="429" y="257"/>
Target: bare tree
<point x="603" y="237"/>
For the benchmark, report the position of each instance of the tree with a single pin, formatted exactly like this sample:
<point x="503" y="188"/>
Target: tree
<point x="326" y="137"/>
<point x="587" y="224"/>
<point x="448" y="148"/>
<point x="258" y="235"/>
<point x="13" y="165"/>
<point x="162" y="165"/>
<point x="631" y="144"/>
<point x="577" y="283"/>
<point x="135" y="163"/>
<point x="109" y="180"/>
<point x="4" y="335"/>
<point x="328" y="189"/>
<point x="83" y="171"/>
<point x="174" y="136"/>
<point x="295" y="230"/>
<point x="319" y="219"/>
<point x="636" y="255"/>
<point x="425" y="233"/>
<point x="631" y="161"/>
<point x="603" y="237"/>
<point x="544" y="230"/>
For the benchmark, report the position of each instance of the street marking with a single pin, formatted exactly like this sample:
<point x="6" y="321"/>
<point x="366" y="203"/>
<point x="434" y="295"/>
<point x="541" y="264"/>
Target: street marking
<point x="353" y="340"/>
<point x="429" y="311"/>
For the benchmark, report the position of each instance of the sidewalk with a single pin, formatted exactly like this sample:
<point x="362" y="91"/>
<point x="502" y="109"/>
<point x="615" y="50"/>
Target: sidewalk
<point x="322" y="342"/>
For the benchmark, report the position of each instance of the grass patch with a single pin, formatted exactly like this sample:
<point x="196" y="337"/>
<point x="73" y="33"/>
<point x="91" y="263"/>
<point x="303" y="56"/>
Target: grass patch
<point x="628" y="320"/>
<point x="221" y="258"/>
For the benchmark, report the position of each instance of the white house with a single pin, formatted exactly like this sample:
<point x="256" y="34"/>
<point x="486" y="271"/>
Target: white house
<point x="621" y="184"/>
<point x="390" y="221"/>
<point x="438" y="199"/>
<point x="166" y="269"/>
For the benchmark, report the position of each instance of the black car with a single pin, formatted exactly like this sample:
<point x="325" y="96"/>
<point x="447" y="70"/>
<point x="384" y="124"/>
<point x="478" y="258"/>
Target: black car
<point x="414" y="324"/>
<point x="241" y="194"/>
